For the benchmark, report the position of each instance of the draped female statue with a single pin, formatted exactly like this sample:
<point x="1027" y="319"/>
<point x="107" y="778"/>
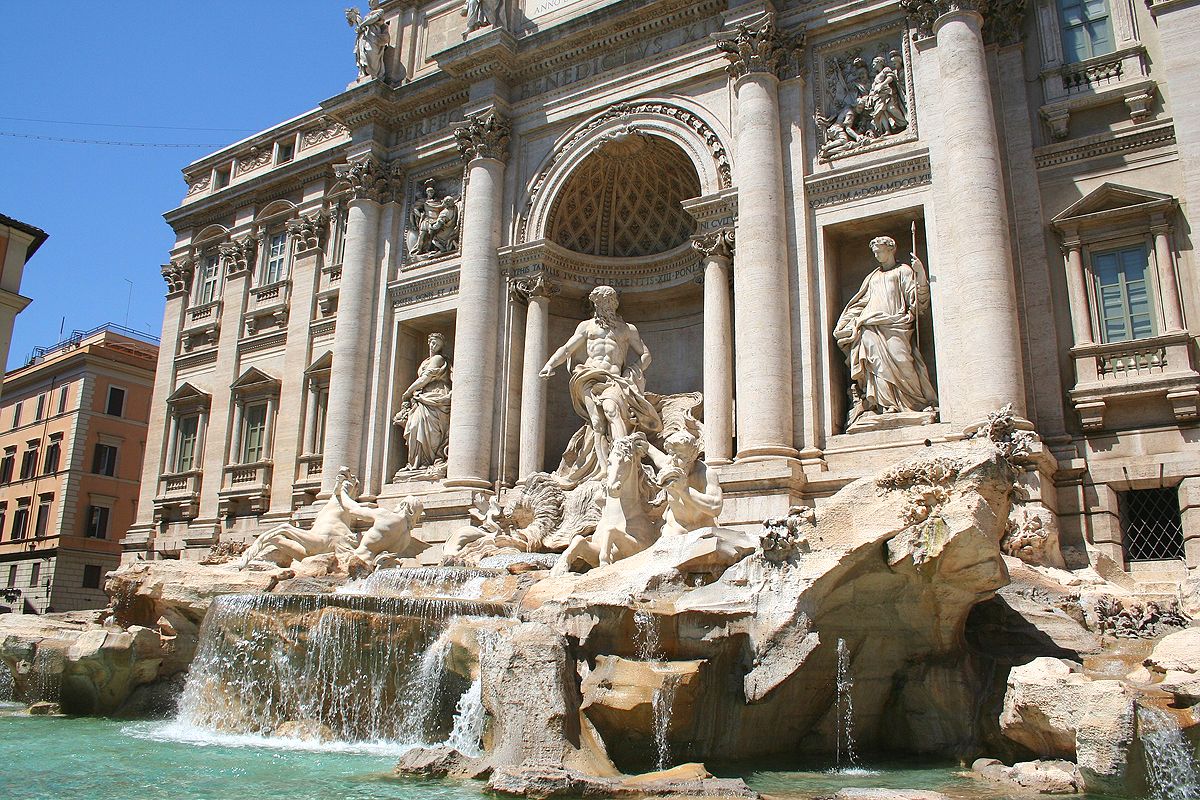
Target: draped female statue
<point x="425" y="409"/>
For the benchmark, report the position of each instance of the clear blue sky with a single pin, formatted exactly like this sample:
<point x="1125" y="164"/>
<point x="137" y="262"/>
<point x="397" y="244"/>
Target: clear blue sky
<point x="238" y="64"/>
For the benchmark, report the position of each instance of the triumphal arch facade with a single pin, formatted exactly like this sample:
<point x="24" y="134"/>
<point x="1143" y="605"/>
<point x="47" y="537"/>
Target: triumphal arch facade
<point x="845" y="231"/>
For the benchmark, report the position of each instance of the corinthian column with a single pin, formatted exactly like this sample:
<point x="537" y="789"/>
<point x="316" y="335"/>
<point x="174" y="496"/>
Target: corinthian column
<point x="985" y="372"/>
<point x="536" y="291"/>
<point x="717" y="250"/>
<point x="483" y="143"/>
<point x="371" y="185"/>
<point x="756" y="55"/>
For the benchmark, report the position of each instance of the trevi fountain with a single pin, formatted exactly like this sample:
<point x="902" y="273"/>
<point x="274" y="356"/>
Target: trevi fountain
<point x="608" y="585"/>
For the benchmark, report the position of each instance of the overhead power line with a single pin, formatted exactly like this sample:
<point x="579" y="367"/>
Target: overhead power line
<point x="123" y="125"/>
<point x="109" y="142"/>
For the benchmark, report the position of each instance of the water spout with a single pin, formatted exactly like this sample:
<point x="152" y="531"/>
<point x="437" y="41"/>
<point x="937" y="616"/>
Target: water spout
<point x="467" y="734"/>
<point x="1171" y="767"/>
<point x="845" y="710"/>
<point x="664" y="703"/>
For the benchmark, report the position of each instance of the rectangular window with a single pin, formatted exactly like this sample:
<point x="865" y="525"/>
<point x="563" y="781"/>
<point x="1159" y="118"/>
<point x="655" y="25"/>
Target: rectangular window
<point x="7" y="464"/>
<point x="254" y="433"/>
<point x="97" y="522"/>
<point x="287" y="151"/>
<point x="35" y="574"/>
<point x="104" y="461"/>
<point x="12" y="576"/>
<point x="29" y="460"/>
<point x="221" y="179"/>
<point x="209" y="282"/>
<point x="91" y="576"/>
<point x="187" y="431"/>
<point x="62" y="399"/>
<point x="50" y="462"/>
<point x="1151" y="525"/>
<point x="274" y="267"/>
<point x="21" y="519"/>
<point x="1123" y="294"/>
<point x="115" y="405"/>
<point x="42" y="524"/>
<point x="39" y="410"/>
<point x="1086" y="29"/>
<point x="17" y="416"/>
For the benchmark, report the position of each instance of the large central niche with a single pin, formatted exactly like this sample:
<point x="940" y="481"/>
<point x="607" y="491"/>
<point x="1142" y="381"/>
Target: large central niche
<point x="623" y="201"/>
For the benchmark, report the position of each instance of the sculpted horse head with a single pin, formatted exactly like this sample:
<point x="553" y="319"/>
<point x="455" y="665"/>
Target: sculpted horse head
<point x="624" y="474"/>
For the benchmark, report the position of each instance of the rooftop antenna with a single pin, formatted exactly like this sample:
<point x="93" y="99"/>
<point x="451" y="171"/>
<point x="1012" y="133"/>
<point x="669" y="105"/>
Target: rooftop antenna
<point x="129" y="300"/>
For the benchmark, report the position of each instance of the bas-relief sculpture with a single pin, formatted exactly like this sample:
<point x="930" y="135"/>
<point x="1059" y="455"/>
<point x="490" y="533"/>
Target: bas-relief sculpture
<point x="434" y="224"/>
<point x="878" y="331"/>
<point x="371" y="40"/>
<point x="332" y="532"/>
<point x="424" y="414"/>
<point x="864" y="100"/>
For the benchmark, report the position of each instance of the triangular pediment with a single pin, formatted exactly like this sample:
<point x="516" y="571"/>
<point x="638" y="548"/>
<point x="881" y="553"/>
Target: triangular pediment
<point x="1112" y="197"/>
<point x="323" y="364"/>
<point x="254" y="378"/>
<point x="187" y="393"/>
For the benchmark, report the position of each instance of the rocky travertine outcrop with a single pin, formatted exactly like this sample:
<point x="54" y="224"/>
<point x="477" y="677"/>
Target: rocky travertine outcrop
<point x="892" y="566"/>
<point x="1175" y="663"/>
<point x="1056" y="711"/>
<point x="1042" y="777"/>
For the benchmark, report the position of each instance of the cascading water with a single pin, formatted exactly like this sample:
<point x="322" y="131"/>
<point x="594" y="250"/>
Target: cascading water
<point x="8" y="685"/>
<point x="467" y="734"/>
<point x="366" y="668"/>
<point x="1171" y="767"/>
<point x="649" y="650"/>
<point x="453" y="582"/>
<point x="845" y="710"/>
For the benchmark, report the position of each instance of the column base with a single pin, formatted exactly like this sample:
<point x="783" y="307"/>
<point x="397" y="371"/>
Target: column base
<point x="767" y="451"/>
<point x="466" y="483"/>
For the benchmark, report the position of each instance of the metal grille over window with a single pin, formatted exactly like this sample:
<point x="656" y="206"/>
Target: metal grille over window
<point x="1150" y="524"/>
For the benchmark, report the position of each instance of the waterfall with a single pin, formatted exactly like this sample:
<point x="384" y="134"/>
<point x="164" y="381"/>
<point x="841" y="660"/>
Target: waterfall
<point x="844" y="711"/>
<point x="646" y="636"/>
<point x="453" y="582"/>
<point x="664" y="703"/>
<point x="467" y="734"/>
<point x="366" y="668"/>
<point x="1171" y="767"/>
<point x="8" y="685"/>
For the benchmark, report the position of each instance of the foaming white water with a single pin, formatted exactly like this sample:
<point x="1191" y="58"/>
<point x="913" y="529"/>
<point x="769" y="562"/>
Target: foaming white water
<point x="467" y="734"/>
<point x="859" y="772"/>
<point x="664" y="704"/>
<point x="1171" y="768"/>
<point x="186" y="733"/>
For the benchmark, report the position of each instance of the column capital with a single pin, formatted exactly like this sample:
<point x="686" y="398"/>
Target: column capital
<point x="757" y="47"/>
<point x="484" y="135"/>
<point x="370" y="179"/>
<point x="715" y="244"/>
<point x="308" y="232"/>
<point x="1071" y="243"/>
<point x="178" y="275"/>
<point x="1161" y="229"/>
<point x="237" y="254"/>
<point x="525" y="289"/>
<point x="1002" y="18"/>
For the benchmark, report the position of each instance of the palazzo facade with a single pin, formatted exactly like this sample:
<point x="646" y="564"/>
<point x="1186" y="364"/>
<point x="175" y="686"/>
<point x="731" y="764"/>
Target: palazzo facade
<point x="728" y="168"/>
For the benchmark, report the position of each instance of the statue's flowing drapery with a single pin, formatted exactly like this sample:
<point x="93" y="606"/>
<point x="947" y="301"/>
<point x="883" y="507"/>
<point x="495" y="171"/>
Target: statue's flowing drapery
<point x="427" y="429"/>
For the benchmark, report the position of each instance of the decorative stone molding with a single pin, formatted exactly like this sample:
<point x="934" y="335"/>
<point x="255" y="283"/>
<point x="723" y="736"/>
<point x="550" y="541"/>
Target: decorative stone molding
<point x="178" y="275"/>
<point x="539" y="285"/>
<point x="1104" y="144"/>
<point x="580" y="274"/>
<point x="369" y="179"/>
<point x="308" y="232"/>
<point x="198" y="184"/>
<point x="715" y="244"/>
<point x="845" y="187"/>
<point x="1002" y="18"/>
<point x="423" y="290"/>
<point x="758" y="47"/>
<point x="237" y="255"/>
<point x="328" y="129"/>
<point x="484" y="135"/>
<point x="254" y="159"/>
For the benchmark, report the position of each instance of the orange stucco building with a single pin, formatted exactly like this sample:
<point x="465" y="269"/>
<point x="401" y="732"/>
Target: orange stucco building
<point x="72" y="436"/>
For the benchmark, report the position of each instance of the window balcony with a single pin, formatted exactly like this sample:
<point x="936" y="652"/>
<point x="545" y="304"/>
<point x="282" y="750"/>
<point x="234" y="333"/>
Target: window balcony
<point x="1125" y="372"/>
<point x="178" y="495"/>
<point x="201" y="325"/>
<point x="267" y="306"/>
<point x="1121" y="76"/>
<point x="246" y="488"/>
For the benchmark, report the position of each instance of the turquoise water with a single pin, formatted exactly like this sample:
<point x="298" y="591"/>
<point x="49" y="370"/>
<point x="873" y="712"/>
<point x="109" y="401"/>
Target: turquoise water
<point x="54" y="758"/>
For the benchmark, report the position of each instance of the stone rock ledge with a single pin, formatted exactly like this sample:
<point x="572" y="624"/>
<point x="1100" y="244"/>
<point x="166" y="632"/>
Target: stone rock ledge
<point x="689" y="780"/>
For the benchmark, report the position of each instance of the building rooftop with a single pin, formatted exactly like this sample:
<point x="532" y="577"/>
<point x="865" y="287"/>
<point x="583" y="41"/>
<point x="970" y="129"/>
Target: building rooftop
<point x="39" y="235"/>
<point x="78" y="338"/>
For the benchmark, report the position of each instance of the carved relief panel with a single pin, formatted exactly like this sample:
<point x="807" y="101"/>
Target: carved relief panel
<point x="863" y="92"/>
<point x="433" y="215"/>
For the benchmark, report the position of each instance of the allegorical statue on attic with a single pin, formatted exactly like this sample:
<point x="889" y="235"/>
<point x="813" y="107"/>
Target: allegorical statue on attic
<point x="481" y="13"/>
<point x="608" y="362"/>
<point x="424" y="412"/>
<point x="863" y="104"/>
<point x="878" y="330"/>
<point x="434" y="224"/>
<point x="371" y="40"/>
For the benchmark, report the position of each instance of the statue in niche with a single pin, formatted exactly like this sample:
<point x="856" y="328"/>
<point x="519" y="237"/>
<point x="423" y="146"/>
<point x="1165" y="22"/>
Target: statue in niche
<point x="371" y="40"/>
<point x="878" y="331"/>
<point x="863" y="104"/>
<point x="424" y="412"/>
<point x="607" y="387"/>
<point x="434" y="224"/>
<point x="481" y="13"/>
